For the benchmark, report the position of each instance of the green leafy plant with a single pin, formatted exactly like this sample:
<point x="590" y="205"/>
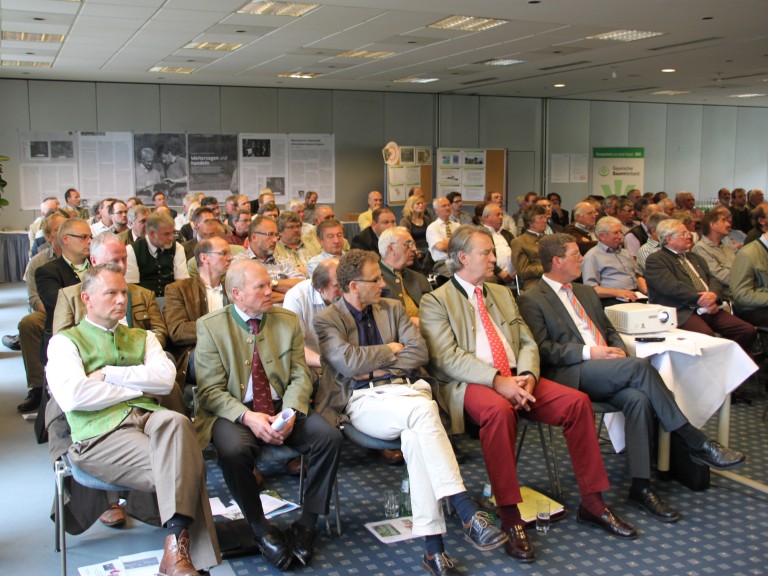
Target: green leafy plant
<point x="3" y="201"/>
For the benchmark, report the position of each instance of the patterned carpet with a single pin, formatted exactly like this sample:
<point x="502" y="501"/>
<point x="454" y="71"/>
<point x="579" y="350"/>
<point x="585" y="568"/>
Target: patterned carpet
<point x="722" y="530"/>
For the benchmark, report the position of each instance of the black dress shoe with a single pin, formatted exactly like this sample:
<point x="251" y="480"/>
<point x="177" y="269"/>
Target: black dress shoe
<point x="717" y="456"/>
<point x="303" y="541"/>
<point x="439" y="565"/>
<point x="646" y="499"/>
<point x="608" y="521"/>
<point x="518" y="546"/>
<point x="32" y="401"/>
<point x="392" y="457"/>
<point x="275" y="548"/>
<point x="482" y="533"/>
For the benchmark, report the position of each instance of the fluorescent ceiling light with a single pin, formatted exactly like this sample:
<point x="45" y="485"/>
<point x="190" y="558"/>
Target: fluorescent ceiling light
<point x="746" y="95"/>
<point x="501" y="62"/>
<point x="468" y="23"/>
<point x="559" y="85"/>
<point x="265" y="8"/>
<point x="173" y="69"/>
<point x="25" y="63"/>
<point x="625" y="35"/>
<point x="301" y="75"/>
<point x="215" y="46"/>
<point x="668" y="70"/>
<point x="365" y="54"/>
<point x="32" y="37"/>
<point x="415" y="80"/>
<point x="671" y="92"/>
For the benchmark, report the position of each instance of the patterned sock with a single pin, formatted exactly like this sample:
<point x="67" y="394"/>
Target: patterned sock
<point x="464" y="506"/>
<point x="434" y="544"/>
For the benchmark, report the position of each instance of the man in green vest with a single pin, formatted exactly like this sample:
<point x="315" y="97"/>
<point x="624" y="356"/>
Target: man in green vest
<point x="107" y="378"/>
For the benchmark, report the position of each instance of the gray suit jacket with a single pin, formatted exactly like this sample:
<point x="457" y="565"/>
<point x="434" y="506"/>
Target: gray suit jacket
<point x="345" y="358"/>
<point x="223" y="358"/>
<point x="559" y="340"/>
<point x="447" y="322"/>
<point x="669" y="285"/>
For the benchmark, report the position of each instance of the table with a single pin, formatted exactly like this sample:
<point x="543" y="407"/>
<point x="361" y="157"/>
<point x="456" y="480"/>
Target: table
<point x="701" y="371"/>
<point x="14" y="255"/>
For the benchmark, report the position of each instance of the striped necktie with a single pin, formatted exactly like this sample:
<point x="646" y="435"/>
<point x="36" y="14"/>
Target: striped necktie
<point x="582" y="314"/>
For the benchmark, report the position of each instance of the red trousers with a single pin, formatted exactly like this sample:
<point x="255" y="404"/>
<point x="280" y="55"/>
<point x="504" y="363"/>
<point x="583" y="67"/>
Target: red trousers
<point x="555" y="404"/>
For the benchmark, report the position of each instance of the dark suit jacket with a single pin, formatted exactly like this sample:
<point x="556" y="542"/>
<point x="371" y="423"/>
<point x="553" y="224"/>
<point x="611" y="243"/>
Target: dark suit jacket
<point x="559" y="340"/>
<point x="185" y="302"/>
<point x="416" y="284"/>
<point x="50" y="278"/>
<point x="669" y="285"/>
<point x="189" y="248"/>
<point x="366" y="240"/>
<point x="583" y="239"/>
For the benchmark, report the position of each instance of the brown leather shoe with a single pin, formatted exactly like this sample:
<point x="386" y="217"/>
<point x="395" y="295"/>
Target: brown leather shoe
<point x="608" y="521"/>
<point x="392" y="457"/>
<point x="114" y="516"/>
<point x="176" y="560"/>
<point x="293" y="466"/>
<point x="518" y="546"/>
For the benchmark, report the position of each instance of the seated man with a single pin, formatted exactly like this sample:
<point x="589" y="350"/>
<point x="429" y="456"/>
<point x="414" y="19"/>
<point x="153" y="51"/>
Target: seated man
<point x="311" y="239"/>
<point x="32" y="326"/>
<point x="652" y="245"/>
<point x="330" y="235"/>
<point x="492" y="218"/>
<point x="107" y="378"/>
<point x="368" y="239"/>
<point x="156" y="260"/>
<point x="188" y="300"/>
<point x="398" y="252"/>
<point x="137" y="224"/>
<point x="525" y="248"/>
<point x="583" y="226"/>
<point x="680" y="279"/>
<point x="375" y="200"/>
<point x="638" y="234"/>
<point x="718" y="255"/>
<point x="249" y="362"/>
<point x="457" y="214"/>
<point x="580" y="348"/>
<point x="290" y="246"/>
<point x="439" y="233"/>
<point x="198" y="216"/>
<point x="609" y="268"/>
<point x="374" y="354"/>
<point x="749" y="282"/>
<point x="241" y="220"/>
<point x="487" y="363"/>
<point x="262" y="241"/>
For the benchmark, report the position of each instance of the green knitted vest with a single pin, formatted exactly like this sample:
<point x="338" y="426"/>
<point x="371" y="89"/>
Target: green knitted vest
<point x="99" y="348"/>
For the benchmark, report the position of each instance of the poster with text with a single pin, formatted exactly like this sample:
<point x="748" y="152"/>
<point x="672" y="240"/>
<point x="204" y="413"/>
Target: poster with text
<point x="212" y="164"/>
<point x="461" y="170"/>
<point x="312" y="161"/>
<point x="48" y="166"/>
<point x="263" y="161"/>
<point x="106" y="161"/>
<point x="617" y="170"/>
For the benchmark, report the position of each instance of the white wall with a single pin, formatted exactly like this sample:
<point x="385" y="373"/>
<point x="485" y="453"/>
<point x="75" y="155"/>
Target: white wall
<point x="694" y="148"/>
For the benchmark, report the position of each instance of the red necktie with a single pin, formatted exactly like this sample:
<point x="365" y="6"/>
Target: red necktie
<point x="262" y="394"/>
<point x="500" y="359"/>
<point x="581" y="313"/>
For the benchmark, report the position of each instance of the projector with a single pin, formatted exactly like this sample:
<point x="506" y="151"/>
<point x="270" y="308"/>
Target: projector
<point x="636" y="318"/>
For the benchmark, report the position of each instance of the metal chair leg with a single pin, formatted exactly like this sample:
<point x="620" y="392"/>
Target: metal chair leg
<point x="61" y="471"/>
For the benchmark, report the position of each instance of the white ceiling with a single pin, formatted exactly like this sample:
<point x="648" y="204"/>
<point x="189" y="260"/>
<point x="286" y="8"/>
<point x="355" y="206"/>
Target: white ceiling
<point x="719" y="48"/>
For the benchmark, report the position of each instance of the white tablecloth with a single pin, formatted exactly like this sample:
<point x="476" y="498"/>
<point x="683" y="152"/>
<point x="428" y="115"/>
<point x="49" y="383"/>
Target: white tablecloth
<point x="700" y="370"/>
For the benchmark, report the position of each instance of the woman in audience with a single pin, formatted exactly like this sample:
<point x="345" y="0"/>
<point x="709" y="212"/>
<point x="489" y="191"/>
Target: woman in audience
<point x="559" y="216"/>
<point x="416" y="220"/>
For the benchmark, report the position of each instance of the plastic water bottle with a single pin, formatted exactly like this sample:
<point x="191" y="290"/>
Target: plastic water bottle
<point x="405" y="495"/>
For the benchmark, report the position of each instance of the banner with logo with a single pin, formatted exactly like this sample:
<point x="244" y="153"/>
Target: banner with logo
<point x="617" y="170"/>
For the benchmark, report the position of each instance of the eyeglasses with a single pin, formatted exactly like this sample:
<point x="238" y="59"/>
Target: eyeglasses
<point x="268" y="234"/>
<point x="81" y="236"/>
<point x="222" y="253"/>
<point x="376" y="280"/>
<point x="121" y="212"/>
<point x="409" y="244"/>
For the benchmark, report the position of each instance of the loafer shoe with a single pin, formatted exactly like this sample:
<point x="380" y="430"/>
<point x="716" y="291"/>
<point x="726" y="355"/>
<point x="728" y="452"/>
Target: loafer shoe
<point x="293" y="466"/>
<point x="519" y="546"/>
<point x="608" y="521"/>
<point x="32" y="401"/>
<point x="439" y="565"/>
<point x="275" y="548"/>
<point x="303" y="542"/>
<point x="114" y="516"/>
<point x="12" y="342"/>
<point x="717" y="456"/>
<point x="646" y="499"/>
<point x="392" y="457"/>
<point x="176" y="561"/>
<point x="482" y="533"/>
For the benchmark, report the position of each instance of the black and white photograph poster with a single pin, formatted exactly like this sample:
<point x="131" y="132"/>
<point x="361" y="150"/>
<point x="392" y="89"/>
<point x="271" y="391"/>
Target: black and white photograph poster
<point x="212" y="164"/>
<point x="161" y="166"/>
<point x="48" y="166"/>
<point x="263" y="157"/>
